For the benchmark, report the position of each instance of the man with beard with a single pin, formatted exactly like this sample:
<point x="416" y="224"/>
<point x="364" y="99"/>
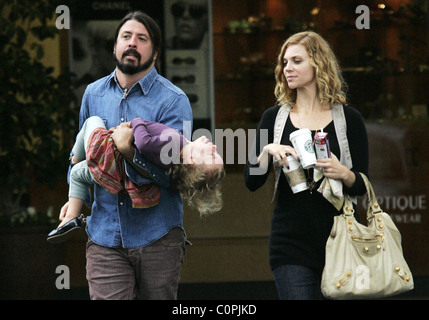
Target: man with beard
<point x="135" y="253"/>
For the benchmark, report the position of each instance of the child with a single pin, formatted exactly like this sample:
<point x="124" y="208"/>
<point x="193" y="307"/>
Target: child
<point x="195" y="167"/>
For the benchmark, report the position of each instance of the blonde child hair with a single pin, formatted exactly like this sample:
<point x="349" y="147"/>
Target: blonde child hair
<point x="199" y="186"/>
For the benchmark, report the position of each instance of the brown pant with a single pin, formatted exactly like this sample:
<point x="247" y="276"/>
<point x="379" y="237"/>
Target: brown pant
<point x="150" y="272"/>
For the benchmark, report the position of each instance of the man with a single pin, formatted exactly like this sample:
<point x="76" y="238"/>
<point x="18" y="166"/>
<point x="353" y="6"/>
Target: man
<point x="135" y="253"/>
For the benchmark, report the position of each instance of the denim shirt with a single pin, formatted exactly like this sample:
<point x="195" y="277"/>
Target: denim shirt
<point x="113" y="221"/>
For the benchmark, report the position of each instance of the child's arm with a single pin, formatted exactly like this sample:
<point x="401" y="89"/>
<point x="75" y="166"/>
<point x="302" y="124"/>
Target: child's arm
<point x="124" y="141"/>
<point x="146" y="137"/>
<point x="153" y="138"/>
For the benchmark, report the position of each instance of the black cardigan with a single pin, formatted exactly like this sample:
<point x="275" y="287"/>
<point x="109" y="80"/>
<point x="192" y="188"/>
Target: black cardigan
<point x="301" y="222"/>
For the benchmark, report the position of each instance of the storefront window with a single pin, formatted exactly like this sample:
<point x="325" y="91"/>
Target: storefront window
<point x="383" y="50"/>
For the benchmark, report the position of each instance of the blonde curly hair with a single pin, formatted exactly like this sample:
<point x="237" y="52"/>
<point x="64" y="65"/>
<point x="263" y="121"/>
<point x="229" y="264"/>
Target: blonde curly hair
<point x="330" y="83"/>
<point x="199" y="185"/>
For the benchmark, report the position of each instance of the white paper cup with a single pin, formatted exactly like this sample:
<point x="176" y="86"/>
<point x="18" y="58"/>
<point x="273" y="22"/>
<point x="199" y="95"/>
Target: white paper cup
<point x="295" y="175"/>
<point x="302" y="141"/>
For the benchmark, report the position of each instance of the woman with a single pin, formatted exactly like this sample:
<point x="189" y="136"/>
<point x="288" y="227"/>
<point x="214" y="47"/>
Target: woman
<point x="309" y="86"/>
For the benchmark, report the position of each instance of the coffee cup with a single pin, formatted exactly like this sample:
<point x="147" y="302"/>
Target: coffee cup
<point x="302" y="141"/>
<point x="295" y="175"/>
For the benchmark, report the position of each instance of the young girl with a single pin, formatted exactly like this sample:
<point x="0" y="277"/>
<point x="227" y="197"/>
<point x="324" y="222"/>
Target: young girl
<point x="196" y="169"/>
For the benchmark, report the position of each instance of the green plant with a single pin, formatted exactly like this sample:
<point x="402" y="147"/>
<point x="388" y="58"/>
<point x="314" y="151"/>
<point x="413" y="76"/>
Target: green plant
<point x="35" y="103"/>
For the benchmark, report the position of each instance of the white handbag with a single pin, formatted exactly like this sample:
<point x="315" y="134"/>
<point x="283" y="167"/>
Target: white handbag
<point x="364" y="261"/>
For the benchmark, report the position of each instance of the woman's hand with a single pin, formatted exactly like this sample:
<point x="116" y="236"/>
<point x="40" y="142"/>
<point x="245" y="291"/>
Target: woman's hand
<point x="279" y="152"/>
<point x="332" y="168"/>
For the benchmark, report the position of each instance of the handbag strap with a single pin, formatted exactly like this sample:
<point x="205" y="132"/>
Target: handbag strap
<point x="373" y="206"/>
<point x="279" y="125"/>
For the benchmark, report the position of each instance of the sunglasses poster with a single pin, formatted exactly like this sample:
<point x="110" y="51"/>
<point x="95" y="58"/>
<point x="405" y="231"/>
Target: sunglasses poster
<point x="187" y="37"/>
<point x="186" y="24"/>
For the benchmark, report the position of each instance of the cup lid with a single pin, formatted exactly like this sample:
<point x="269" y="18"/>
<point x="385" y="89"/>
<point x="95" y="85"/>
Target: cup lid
<point x="298" y="132"/>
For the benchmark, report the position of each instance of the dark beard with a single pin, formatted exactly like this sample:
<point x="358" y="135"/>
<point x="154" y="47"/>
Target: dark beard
<point x="130" y="69"/>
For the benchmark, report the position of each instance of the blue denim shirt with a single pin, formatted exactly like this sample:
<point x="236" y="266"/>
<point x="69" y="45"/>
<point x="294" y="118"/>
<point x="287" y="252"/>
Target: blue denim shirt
<point x="113" y="221"/>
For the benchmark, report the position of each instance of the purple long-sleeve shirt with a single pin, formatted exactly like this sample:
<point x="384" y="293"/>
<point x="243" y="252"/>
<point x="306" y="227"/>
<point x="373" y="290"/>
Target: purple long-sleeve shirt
<point x="159" y="143"/>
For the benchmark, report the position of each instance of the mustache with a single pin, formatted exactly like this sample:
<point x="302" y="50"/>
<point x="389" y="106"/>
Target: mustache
<point x="131" y="52"/>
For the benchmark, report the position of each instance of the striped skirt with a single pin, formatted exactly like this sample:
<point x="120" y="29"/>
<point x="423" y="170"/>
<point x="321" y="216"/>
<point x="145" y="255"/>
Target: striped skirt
<point x="107" y="166"/>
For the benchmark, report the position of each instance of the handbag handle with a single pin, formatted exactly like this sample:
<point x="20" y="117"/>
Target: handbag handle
<point x="373" y="206"/>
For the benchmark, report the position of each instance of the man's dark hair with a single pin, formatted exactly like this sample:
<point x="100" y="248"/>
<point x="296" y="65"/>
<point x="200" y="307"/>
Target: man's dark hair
<point x="152" y="28"/>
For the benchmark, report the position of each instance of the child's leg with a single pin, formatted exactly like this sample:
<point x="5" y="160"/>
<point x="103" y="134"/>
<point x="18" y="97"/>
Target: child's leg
<point x="81" y="144"/>
<point x="73" y="211"/>
<point x="80" y="182"/>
